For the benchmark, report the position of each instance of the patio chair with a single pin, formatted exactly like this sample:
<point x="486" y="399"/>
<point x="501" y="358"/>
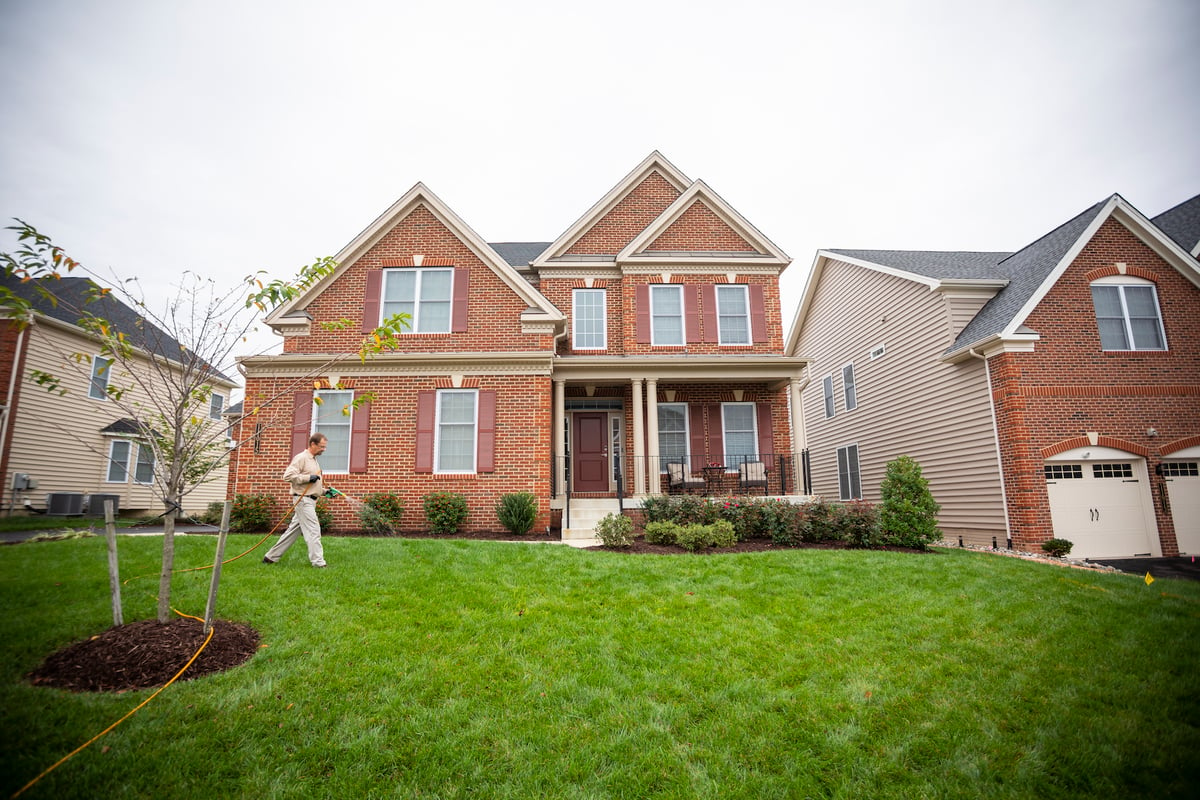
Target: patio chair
<point x="680" y="478"/>
<point x="751" y="475"/>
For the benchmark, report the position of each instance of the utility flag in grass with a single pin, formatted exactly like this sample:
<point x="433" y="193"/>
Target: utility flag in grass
<point x="1149" y="579"/>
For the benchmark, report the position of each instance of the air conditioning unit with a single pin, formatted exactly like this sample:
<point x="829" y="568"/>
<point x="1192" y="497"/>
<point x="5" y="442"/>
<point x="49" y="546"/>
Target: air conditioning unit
<point x="64" y="504"/>
<point x="95" y="504"/>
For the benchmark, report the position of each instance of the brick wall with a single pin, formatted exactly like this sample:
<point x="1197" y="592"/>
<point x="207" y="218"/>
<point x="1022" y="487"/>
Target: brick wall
<point x="632" y="215"/>
<point x="1069" y="386"/>
<point x="699" y="229"/>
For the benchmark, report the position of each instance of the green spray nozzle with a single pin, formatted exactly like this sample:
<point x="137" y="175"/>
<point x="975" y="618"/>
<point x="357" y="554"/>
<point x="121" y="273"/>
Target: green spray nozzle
<point x="332" y="492"/>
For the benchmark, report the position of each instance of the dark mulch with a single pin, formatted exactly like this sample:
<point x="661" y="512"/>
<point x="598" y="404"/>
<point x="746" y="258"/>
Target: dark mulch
<point x="145" y="654"/>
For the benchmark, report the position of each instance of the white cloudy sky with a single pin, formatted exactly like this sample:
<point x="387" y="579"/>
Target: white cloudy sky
<point x="153" y="136"/>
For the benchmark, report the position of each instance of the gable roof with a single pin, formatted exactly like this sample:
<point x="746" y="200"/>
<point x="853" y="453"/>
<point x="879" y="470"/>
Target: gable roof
<point x="1021" y="279"/>
<point x="419" y="195"/>
<point x="72" y="295"/>
<point x="655" y="162"/>
<point x="519" y="254"/>
<point x="1182" y="223"/>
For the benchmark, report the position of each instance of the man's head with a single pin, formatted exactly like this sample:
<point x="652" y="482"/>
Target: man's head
<point x="316" y="444"/>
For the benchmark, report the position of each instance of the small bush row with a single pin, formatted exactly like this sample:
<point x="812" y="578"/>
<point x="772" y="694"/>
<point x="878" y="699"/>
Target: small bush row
<point x="381" y="512"/>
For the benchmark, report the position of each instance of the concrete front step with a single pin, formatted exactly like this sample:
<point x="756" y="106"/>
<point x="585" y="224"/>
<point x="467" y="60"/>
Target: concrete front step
<point x="585" y="513"/>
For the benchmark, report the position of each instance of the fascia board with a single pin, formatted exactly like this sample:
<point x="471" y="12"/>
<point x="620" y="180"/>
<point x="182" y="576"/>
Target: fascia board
<point x="727" y="213"/>
<point x="301" y="366"/>
<point x="1166" y="247"/>
<point x="721" y="369"/>
<point x="993" y="345"/>
<point x="654" y="161"/>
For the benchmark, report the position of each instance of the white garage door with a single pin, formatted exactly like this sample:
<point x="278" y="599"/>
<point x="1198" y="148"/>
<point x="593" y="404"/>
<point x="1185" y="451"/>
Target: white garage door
<point x="1100" y="508"/>
<point x="1183" y="490"/>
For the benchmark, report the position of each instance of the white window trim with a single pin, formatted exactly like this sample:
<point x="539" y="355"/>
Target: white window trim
<point x="575" y="293"/>
<point x="1121" y="281"/>
<point x="137" y="462"/>
<point x="849" y="387"/>
<point x="828" y="398"/>
<point x="851" y="474"/>
<point x="315" y="427"/>
<point x="732" y="465"/>
<point x="220" y="409"/>
<point x="437" y="433"/>
<point x="108" y="466"/>
<point x="103" y="378"/>
<point x="717" y="292"/>
<point x="655" y="290"/>
<point x="687" y="436"/>
<point x="414" y="326"/>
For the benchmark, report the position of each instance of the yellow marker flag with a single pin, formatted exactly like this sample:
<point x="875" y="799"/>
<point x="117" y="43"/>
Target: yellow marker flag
<point x="1149" y="579"/>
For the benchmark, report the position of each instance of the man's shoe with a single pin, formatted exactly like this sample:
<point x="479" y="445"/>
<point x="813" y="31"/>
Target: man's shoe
<point x="320" y="566"/>
<point x="269" y="561"/>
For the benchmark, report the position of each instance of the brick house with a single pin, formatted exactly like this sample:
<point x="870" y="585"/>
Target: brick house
<point x="1050" y="392"/>
<point x="648" y="333"/>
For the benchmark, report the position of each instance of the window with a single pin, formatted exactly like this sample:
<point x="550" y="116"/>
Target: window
<point x="118" y="461"/>
<point x="827" y="387"/>
<point x="1181" y="469"/>
<point x="588" y="317"/>
<point x="1063" y="472"/>
<point x="849" y="482"/>
<point x="454" y="446"/>
<point x="739" y="423"/>
<point x="332" y="418"/>
<point x="666" y="315"/>
<point x="99" y="384"/>
<point x="672" y="433"/>
<point x="733" y="315"/>
<point x="424" y="294"/>
<point x="848" y="387"/>
<point x="1127" y="314"/>
<point x="1112" y="470"/>
<point x="878" y="352"/>
<point x="216" y="404"/>
<point x="144" y="471"/>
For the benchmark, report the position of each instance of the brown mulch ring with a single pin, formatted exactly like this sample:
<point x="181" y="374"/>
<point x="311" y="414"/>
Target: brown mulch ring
<point x="145" y="654"/>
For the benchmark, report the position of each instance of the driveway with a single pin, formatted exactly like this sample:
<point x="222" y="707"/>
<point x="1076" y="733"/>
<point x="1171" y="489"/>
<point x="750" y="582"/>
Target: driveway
<point x="1186" y="567"/>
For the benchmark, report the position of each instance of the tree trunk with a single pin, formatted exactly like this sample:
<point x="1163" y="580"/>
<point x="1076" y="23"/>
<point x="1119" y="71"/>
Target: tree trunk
<point x="168" y="562"/>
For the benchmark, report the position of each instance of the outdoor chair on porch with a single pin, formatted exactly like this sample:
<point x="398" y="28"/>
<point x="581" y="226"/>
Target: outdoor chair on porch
<point x="681" y="479"/>
<point x="751" y="475"/>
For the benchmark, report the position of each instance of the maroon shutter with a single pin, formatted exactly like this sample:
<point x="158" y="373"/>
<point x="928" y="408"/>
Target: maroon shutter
<point x="700" y="455"/>
<point x="426" y="416"/>
<point x="709" y="312"/>
<point x="766" y="437"/>
<point x="691" y="316"/>
<point x="374" y="297"/>
<point x="458" y="314"/>
<point x="486" y="454"/>
<point x="360" y="426"/>
<point x="758" y="314"/>
<point x="302" y="408"/>
<point x="642" y="312"/>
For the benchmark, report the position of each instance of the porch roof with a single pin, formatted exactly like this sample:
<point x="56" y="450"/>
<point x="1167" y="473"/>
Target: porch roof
<point x="775" y="371"/>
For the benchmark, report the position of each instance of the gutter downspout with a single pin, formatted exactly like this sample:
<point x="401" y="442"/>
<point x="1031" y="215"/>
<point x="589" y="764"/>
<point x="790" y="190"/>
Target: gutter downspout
<point x="987" y="373"/>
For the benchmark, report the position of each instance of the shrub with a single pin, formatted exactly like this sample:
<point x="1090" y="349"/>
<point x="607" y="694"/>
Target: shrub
<point x="251" y="512"/>
<point x="694" y="537"/>
<point x="820" y="523"/>
<point x="858" y="523"/>
<point x="721" y="534"/>
<point x="324" y="515"/>
<point x="212" y="515"/>
<point x="517" y="512"/>
<point x="682" y="508"/>
<point x="615" y="530"/>
<point x="381" y="513"/>
<point x="445" y="511"/>
<point x="1057" y="547"/>
<point x="907" y="511"/>
<point x="662" y="533"/>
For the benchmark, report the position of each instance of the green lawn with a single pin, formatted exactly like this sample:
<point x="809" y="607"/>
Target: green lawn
<point x="453" y="669"/>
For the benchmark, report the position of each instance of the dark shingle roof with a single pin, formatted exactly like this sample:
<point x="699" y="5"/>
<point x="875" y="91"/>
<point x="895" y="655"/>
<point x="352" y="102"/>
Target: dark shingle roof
<point x="938" y="264"/>
<point x="72" y="294"/>
<point x="519" y="254"/>
<point x="1182" y="223"/>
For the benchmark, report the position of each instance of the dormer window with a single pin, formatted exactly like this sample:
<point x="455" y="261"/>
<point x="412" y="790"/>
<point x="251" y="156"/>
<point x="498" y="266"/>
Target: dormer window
<point x="424" y="294"/>
<point x="1127" y="314"/>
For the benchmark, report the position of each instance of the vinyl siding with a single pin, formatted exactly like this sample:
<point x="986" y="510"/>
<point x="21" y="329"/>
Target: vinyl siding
<point x="57" y="439"/>
<point x="909" y="402"/>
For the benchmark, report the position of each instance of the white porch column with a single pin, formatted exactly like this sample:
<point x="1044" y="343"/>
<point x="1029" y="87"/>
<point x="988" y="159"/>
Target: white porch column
<point x="639" y="440"/>
<point x="559" y="437"/>
<point x="799" y="436"/>
<point x="653" y="467"/>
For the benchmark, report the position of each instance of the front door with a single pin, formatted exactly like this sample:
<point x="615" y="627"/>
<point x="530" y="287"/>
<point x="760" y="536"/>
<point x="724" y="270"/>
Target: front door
<point x="589" y="464"/>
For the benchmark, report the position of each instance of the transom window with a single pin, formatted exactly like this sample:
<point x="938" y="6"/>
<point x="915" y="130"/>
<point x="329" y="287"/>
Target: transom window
<point x="589" y="319"/>
<point x="1062" y="472"/>
<point x="666" y="315"/>
<point x="331" y="417"/>
<point x="423" y="294"/>
<point x="672" y="433"/>
<point x="457" y="420"/>
<point x="733" y="315"/>
<point x="1112" y="471"/>
<point x="739" y="421"/>
<point x="1128" y="316"/>
<point x="98" y="388"/>
<point x="849" y="480"/>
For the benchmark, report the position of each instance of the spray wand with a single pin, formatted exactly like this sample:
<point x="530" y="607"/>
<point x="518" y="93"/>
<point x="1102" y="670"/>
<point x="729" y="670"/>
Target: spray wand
<point x="331" y="492"/>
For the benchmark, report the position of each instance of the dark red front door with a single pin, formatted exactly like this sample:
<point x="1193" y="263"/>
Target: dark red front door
<point x="590" y="460"/>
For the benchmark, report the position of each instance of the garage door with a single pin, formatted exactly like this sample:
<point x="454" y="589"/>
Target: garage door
<point x="1183" y="490"/>
<point x="1100" y="507"/>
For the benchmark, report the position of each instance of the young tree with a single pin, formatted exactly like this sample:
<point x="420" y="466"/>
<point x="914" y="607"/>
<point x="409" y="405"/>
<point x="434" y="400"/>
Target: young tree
<point x="907" y="512"/>
<point x="163" y="364"/>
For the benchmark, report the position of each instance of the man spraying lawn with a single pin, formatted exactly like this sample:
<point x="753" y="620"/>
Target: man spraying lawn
<point x="304" y="475"/>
